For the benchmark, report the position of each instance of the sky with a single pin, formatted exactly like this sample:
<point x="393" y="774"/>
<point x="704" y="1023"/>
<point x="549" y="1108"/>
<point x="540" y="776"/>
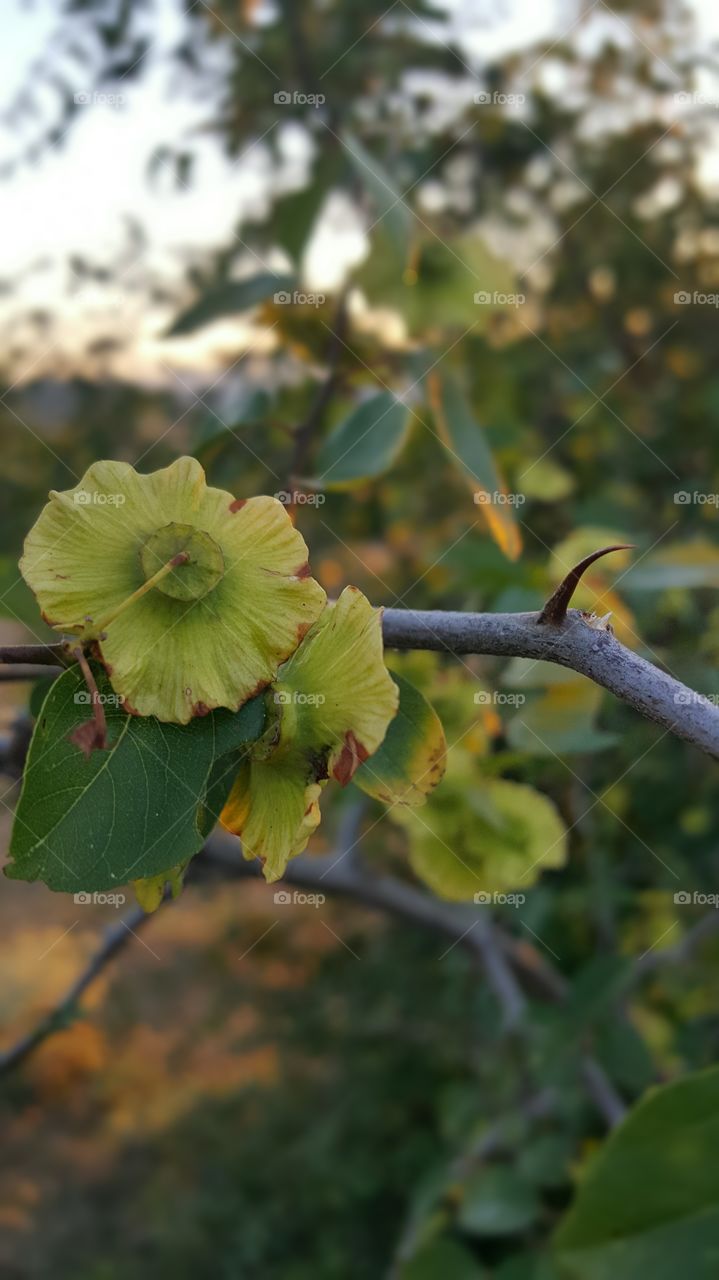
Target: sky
<point x="76" y="199"/>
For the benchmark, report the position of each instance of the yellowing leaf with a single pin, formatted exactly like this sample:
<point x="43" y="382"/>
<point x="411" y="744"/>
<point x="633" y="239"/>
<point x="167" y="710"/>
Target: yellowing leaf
<point x="478" y="836"/>
<point x="465" y="442"/>
<point x="411" y="760"/>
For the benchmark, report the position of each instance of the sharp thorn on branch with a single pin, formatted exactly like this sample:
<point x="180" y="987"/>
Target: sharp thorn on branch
<point x="555" y="610"/>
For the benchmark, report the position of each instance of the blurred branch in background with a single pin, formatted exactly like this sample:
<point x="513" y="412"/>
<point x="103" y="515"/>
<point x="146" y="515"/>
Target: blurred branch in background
<point x="340" y="875"/>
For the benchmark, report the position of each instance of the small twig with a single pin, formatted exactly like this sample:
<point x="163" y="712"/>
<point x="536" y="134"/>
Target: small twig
<point x="39" y="655"/>
<point x="602" y="1092"/>
<point x="555" y="610"/>
<point x="12" y="675"/>
<point x="116" y="937"/>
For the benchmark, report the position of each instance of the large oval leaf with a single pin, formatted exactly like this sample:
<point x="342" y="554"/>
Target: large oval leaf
<point x="649" y="1205"/>
<point x="128" y="812"/>
<point x="364" y="445"/>
<point x="230" y="299"/>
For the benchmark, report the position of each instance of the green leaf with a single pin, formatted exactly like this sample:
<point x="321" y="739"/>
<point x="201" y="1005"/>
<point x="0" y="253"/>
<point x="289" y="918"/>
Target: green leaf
<point x="296" y="213"/>
<point x="229" y="300"/>
<point x="547" y="481"/>
<point x="544" y="1160"/>
<point x="411" y="760"/>
<point x="440" y="1260"/>
<point x="394" y="216"/>
<point x="437" y="291"/>
<point x="527" y="1266"/>
<point x="690" y="564"/>
<point x="467" y="446"/>
<point x="561" y="721"/>
<point x="498" y="1202"/>
<point x="478" y="836"/>
<point x="128" y="812"/>
<point x="18" y="603"/>
<point x="363" y="446"/>
<point x="649" y="1204"/>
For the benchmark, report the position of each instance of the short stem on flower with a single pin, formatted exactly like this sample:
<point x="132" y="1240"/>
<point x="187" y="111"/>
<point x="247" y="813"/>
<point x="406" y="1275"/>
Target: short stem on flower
<point x="98" y="711"/>
<point x="182" y="557"/>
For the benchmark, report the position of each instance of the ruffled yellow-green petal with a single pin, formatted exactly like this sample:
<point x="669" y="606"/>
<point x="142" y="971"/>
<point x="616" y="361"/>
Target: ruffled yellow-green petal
<point x="275" y="810"/>
<point x="151" y="890"/>
<point x="478" y="835"/>
<point x="216" y="628"/>
<point x="412" y="758"/>
<point x="341" y="693"/>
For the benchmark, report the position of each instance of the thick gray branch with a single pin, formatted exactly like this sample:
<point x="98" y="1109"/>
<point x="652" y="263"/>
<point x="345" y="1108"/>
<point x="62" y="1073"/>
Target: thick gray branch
<point x="593" y="651"/>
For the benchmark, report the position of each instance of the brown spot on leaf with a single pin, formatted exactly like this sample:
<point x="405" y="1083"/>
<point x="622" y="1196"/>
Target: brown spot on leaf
<point x="304" y="570"/>
<point x="259" y="688"/>
<point x="238" y="504"/>
<point x="302" y="630"/>
<point x="353" y="754"/>
<point x="200" y="709"/>
<point x="89" y="737"/>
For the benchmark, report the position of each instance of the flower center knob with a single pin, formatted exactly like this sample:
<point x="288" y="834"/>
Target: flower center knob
<point x="201" y="571"/>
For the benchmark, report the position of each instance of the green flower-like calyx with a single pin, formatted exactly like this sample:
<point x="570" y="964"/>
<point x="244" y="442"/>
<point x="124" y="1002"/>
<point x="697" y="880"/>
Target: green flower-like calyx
<point x="197" y="575"/>
<point x="193" y="597"/>
<point x="280" y="730"/>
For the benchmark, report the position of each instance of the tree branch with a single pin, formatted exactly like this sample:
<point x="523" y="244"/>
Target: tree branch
<point x="40" y="655"/>
<point x="593" y="651"/>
